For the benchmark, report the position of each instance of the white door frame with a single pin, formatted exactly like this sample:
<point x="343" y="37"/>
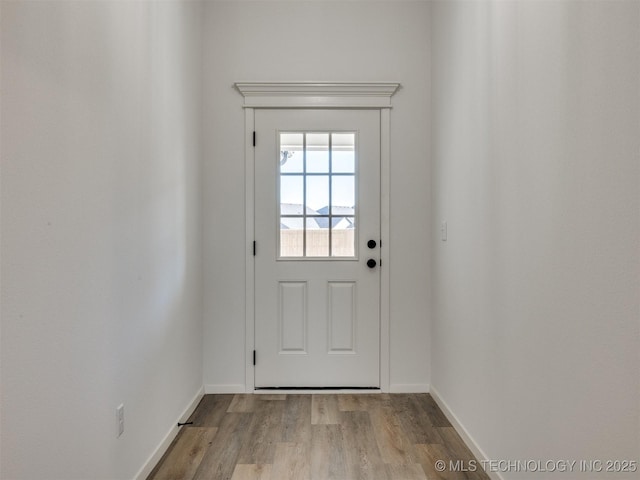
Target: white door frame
<point x="322" y="95"/>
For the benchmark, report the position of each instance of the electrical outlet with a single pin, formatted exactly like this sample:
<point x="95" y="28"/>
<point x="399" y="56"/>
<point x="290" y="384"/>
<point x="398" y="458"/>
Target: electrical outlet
<point x="443" y="231"/>
<point x="120" y="419"/>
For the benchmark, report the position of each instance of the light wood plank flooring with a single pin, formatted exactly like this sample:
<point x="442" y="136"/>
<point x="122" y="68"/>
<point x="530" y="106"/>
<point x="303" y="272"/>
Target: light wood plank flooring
<point x="323" y="437"/>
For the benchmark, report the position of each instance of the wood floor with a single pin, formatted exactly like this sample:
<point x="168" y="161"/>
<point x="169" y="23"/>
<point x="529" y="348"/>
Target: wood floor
<point x="324" y="437"/>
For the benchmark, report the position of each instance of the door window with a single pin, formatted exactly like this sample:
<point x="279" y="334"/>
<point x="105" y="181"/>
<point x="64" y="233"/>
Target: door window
<point x="317" y="195"/>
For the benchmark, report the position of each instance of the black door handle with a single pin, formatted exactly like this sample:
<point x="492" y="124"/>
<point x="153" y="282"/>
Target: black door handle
<point x="371" y="263"/>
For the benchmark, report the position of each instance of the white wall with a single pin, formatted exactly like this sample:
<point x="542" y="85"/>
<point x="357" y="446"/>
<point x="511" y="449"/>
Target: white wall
<point x="318" y="41"/>
<point x="101" y="277"/>
<point x="536" y="143"/>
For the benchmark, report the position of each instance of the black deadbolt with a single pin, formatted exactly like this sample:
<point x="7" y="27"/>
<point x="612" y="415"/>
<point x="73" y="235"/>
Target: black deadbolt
<point x="371" y="244"/>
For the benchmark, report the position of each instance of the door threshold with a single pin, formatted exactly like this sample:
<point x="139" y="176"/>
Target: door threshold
<point x="327" y="390"/>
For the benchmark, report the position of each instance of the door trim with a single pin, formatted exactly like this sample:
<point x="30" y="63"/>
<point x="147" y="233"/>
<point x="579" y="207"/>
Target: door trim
<point x="322" y="95"/>
<point x="352" y="95"/>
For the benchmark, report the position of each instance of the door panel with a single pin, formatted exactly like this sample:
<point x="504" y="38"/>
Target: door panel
<point x="342" y="317"/>
<point x="292" y="313"/>
<point x="317" y="204"/>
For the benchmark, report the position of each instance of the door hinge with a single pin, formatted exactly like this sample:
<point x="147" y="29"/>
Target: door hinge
<point x="254" y="248"/>
<point x="254" y="358"/>
<point x="254" y="138"/>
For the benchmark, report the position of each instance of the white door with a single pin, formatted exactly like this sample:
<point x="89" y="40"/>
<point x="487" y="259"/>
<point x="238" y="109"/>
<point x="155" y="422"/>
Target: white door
<point x="317" y="263"/>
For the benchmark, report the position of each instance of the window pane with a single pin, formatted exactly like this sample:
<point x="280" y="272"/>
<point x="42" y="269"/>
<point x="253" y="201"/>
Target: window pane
<point x="291" y="194"/>
<point x="291" y="154"/>
<point x="291" y="161"/>
<point x="291" y="237"/>
<point x="318" y="152"/>
<point x="318" y="195"/>
<point x="343" y="152"/>
<point x="343" y="237"/>
<point x="343" y="195"/>
<point x="317" y="238"/>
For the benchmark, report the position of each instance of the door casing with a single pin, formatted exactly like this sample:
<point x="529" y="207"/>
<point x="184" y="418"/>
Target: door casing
<point x="321" y="95"/>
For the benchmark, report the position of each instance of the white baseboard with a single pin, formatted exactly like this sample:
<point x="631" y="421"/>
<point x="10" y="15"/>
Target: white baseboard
<point x="464" y="434"/>
<point x="225" y="389"/>
<point x="168" y="438"/>
<point x="409" y="388"/>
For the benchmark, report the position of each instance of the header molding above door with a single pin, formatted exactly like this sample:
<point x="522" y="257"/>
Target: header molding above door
<point x="317" y="94"/>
